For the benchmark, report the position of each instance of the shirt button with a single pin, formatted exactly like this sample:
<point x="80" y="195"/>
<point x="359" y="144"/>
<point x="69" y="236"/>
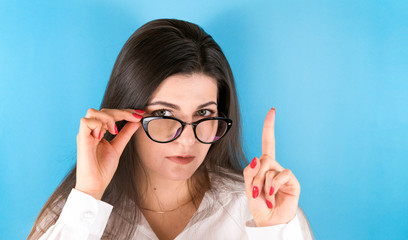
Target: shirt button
<point x="88" y="215"/>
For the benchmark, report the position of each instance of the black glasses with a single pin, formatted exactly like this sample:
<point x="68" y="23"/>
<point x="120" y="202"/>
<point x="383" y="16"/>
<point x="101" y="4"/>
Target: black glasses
<point x="164" y="129"/>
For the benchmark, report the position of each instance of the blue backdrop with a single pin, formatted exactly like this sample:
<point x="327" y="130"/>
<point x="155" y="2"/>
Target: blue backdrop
<point x="336" y="71"/>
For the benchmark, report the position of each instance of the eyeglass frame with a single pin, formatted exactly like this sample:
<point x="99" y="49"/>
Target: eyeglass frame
<point x="145" y="121"/>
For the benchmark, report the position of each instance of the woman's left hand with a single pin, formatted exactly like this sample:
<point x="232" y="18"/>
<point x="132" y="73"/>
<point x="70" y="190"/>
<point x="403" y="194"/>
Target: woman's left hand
<point x="272" y="191"/>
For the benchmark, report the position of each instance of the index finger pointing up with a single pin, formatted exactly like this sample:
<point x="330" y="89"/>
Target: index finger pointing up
<point x="268" y="134"/>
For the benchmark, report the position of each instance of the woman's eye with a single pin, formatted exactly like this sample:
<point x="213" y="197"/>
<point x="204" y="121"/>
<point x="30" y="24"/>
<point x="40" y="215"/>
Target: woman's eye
<point x="161" y="112"/>
<point x="205" y="112"/>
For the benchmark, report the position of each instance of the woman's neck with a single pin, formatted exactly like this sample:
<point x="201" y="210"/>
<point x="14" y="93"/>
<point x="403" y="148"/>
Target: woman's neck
<point x="164" y="194"/>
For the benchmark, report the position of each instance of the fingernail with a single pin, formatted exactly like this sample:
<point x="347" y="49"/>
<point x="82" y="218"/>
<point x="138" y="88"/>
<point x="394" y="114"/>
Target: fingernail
<point x="140" y="111"/>
<point x="271" y="191"/>
<point x="255" y="192"/>
<point x="137" y="116"/>
<point x="273" y="109"/>
<point x="116" y="129"/>
<point x="99" y="137"/>
<point x="253" y="163"/>
<point x="269" y="204"/>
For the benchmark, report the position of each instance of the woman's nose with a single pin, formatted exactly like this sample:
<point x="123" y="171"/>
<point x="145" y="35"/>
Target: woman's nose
<point x="187" y="137"/>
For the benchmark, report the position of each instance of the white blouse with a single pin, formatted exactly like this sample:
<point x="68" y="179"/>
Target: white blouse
<point x="225" y="207"/>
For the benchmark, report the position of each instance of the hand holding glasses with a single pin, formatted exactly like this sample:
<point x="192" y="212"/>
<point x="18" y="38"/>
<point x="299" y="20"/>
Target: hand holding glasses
<point x="98" y="158"/>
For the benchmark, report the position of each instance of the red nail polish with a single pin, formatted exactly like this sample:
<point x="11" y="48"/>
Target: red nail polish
<point x="271" y="191"/>
<point x="273" y="109"/>
<point x="99" y="137"/>
<point x="253" y="163"/>
<point x="137" y="116"/>
<point x="255" y="192"/>
<point x="116" y="129"/>
<point x="269" y="204"/>
<point x="140" y="111"/>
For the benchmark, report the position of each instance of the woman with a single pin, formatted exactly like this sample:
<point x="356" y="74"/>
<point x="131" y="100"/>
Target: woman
<point x="144" y="173"/>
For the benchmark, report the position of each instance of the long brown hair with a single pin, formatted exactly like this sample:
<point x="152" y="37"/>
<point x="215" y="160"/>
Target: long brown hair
<point x="155" y="51"/>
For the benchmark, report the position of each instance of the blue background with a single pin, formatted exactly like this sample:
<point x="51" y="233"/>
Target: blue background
<point x="336" y="71"/>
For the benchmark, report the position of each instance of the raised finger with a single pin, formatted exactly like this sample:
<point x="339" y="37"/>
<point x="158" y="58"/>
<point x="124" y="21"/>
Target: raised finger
<point x="268" y="134"/>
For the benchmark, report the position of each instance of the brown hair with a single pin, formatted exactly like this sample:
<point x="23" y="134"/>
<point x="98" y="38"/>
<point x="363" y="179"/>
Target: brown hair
<point x="155" y="51"/>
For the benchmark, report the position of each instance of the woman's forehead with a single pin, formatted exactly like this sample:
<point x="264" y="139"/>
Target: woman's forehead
<point x="186" y="91"/>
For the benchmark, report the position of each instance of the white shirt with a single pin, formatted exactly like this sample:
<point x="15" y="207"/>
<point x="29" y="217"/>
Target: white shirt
<point x="84" y="217"/>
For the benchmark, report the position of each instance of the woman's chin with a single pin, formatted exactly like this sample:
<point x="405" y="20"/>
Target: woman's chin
<point x="179" y="172"/>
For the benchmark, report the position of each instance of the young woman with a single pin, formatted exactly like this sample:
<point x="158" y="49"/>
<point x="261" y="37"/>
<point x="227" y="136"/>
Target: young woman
<point x="162" y="158"/>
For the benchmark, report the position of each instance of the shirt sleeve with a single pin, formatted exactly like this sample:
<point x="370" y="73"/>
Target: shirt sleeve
<point x="297" y="229"/>
<point x="83" y="217"/>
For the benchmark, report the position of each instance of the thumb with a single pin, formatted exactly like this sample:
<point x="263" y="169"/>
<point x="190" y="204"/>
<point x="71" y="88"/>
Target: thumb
<point x="123" y="137"/>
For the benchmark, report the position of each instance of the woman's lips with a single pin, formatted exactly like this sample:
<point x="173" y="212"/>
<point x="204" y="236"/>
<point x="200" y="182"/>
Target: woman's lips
<point x="181" y="159"/>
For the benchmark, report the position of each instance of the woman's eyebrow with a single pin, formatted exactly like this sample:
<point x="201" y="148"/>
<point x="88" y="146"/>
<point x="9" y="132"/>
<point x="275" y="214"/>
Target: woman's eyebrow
<point x="174" y="106"/>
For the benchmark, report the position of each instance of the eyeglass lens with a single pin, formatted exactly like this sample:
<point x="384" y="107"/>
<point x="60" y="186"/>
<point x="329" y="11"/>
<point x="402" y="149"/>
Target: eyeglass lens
<point x="164" y="130"/>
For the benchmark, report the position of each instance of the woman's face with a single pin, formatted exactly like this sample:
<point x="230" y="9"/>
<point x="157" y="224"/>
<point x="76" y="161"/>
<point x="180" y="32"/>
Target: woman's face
<point x="188" y="98"/>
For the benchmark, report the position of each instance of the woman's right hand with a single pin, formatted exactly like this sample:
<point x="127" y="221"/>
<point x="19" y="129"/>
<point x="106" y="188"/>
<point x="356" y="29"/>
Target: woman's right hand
<point x="98" y="159"/>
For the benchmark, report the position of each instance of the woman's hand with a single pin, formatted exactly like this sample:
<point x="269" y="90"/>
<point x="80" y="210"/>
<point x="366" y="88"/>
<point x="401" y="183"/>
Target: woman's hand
<point x="272" y="191"/>
<point x="98" y="159"/>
